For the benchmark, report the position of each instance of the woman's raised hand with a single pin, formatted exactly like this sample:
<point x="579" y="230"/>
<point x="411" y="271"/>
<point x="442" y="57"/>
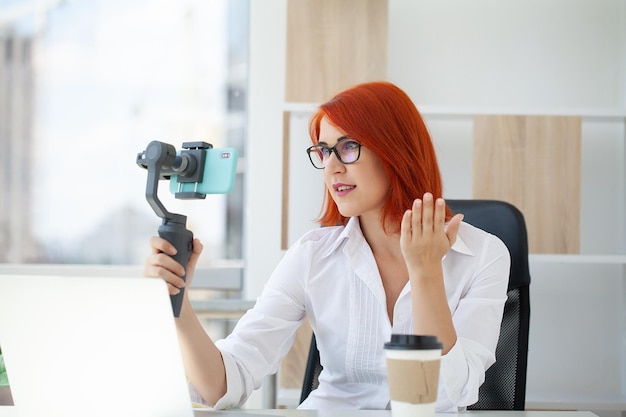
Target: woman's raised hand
<point x="424" y="236"/>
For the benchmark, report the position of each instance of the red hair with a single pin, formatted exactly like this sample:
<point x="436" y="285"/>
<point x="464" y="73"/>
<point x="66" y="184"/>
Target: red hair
<point x="382" y="117"/>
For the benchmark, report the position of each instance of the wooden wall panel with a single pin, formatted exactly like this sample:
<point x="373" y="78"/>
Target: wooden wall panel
<point x="293" y="366"/>
<point x="284" y="226"/>
<point x="332" y="45"/>
<point x="533" y="162"/>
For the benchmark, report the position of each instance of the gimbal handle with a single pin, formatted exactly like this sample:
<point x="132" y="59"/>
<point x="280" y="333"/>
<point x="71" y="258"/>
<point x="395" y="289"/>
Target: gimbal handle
<point x="182" y="239"/>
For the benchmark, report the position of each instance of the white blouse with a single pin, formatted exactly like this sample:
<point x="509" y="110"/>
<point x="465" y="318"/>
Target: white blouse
<point x="330" y="277"/>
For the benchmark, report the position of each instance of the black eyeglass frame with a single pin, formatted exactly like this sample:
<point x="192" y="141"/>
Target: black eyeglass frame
<point x="333" y="149"/>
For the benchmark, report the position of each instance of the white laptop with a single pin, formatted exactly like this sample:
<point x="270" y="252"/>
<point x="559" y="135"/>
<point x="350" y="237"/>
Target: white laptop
<point x="91" y="347"/>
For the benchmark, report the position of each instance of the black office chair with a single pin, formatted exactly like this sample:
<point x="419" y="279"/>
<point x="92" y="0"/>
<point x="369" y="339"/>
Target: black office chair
<point x="505" y="381"/>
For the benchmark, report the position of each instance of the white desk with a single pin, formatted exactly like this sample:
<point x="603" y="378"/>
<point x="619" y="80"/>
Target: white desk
<point x="387" y="413"/>
<point x="9" y="411"/>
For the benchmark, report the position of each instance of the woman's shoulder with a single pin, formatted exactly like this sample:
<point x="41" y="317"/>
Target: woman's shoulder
<point x="321" y="235"/>
<point x="314" y="244"/>
<point x="477" y="240"/>
<point x="323" y="241"/>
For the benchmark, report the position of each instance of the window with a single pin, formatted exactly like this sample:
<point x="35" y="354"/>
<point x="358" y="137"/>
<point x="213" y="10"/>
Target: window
<point x="85" y="85"/>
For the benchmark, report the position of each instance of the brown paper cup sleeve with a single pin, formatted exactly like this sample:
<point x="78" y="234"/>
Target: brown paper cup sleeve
<point x="413" y="381"/>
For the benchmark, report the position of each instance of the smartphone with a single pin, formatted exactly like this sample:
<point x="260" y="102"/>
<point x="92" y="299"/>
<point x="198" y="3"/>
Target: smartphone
<point x="220" y="165"/>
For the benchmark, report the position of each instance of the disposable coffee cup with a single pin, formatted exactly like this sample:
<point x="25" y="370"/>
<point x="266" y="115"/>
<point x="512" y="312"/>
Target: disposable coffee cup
<point x="413" y="364"/>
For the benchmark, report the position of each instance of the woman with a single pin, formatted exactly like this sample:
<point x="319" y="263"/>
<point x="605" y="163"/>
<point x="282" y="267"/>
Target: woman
<point x="393" y="259"/>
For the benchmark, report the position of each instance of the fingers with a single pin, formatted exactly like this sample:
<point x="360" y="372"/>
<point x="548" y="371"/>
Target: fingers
<point x="416" y="219"/>
<point x="163" y="266"/>
<point x="440" y="215"/>
<point x="427" y="215"/>
<point x="406" y="228"/>
<point x="158" y="245"/>
<point x="453" y="228"/>
<point x="424" y="236"/>
<point x="160" y="264"/>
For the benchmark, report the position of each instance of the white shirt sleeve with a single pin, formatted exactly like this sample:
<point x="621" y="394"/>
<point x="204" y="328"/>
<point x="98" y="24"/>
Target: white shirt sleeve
<point x="477" y="317"/>
<point x="264" y="335"/>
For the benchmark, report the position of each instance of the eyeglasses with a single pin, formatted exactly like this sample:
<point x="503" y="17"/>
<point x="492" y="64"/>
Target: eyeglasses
<point x="347" y="151"/>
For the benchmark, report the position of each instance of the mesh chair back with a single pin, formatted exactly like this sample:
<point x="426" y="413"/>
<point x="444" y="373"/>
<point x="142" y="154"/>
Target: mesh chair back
<point x="505" y="381"/>
<point x="312" y="370"/>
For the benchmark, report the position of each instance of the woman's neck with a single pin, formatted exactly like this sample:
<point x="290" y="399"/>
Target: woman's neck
<point x="381" y="243"/>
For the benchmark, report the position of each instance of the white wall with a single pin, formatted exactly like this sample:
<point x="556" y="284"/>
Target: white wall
<point x="456" y="58"/>
<point x="492" y="53"/>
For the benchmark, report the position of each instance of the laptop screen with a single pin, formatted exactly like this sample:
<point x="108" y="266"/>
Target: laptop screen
<point x="107" y="345"/>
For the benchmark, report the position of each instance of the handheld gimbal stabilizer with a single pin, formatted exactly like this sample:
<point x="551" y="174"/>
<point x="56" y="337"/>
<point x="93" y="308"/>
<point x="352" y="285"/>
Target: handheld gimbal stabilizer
<point x="206" y="170"/>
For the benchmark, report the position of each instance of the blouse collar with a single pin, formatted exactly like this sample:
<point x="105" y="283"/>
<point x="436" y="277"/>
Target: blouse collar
<point x="352" y="230"/>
